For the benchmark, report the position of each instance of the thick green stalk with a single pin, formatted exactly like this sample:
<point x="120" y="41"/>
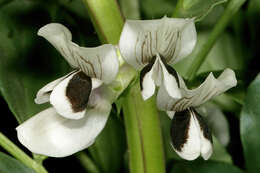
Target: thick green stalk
<point x="141" y="118"/>
<point x="106" y="18"/>
<point x="232" y="7"/>
<point x="20" y="155"/>
<point x="143" y="133"/>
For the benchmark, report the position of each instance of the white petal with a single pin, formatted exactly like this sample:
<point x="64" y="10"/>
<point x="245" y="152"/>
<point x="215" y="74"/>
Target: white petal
<point x="160" y="76"/>
<point x="50" y="134"/>
<point x="170" y="82"/>
<point x="164" y="100"/>
<point x="68" y="105"/>
<point x="148" y="86"/>
<point x="170" y="114"/>
<point x="140" y="40"/>
<point x="100" y="62"/>
<point x="43" y="95"/>
<point x="206" y="147"/>
<point x="96" y="83"/>
<point x="188" y="40"/>
<point x="186" y="146"/>
<point x="209" y="88"/>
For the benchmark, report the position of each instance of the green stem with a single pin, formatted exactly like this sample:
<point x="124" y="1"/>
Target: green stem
<point x="232" y="7"/>
<point x="143" y="133"/>
<point x="87" y="163"/>
<point x="106" y="18"/>
<point x="20" y="155"/>
<point x="141" y="118"/>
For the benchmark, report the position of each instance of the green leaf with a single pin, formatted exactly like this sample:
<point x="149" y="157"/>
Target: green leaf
<point x="155" y="9"/>
<point x="110" y="146"/>
<point x="223" y="55"/>
<point x="23" y="70"/>
<point x="250" y="126"/>
<point x="201" y="166"/>
<point x="11" y="165"/>
<point x="130" y="8"/>
<point x="195" y="8"/>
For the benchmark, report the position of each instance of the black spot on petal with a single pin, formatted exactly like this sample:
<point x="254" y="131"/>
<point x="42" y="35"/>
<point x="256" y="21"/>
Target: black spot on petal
<point x="180" y="128"/>
<point x="78" y="91"/>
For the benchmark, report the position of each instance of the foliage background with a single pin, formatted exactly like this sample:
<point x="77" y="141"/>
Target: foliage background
<point x="27" y="62"/>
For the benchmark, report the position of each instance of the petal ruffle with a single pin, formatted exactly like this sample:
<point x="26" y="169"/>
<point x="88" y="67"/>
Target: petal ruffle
<point x="50" y="134"/>
<point x="100" y="62"/>
<point x="191" y="98"/>
<point x="141" y="40"/>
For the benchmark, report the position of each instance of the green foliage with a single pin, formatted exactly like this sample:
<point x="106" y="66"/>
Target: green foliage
<point x="28" y="62"/>
<point x="11" y="165"/>
<point x="200" y="166"/>
<point x="110" y="146"/>
<point x="250" y="126"/>
<point x="195" y="8"/>
<point x="153" y="9"/>
<point x="21" y="71"/>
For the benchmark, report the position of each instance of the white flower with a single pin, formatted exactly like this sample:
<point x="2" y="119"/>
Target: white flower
<point x="190" y="134"/>
<point x="81" y="104"/>
<point x="152" y="46"/>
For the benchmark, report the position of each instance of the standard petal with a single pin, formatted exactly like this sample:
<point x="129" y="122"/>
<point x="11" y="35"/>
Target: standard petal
<point x="185" y="135"/>
<point x="70" y="97"/>
<point x="100" y="62"/>
<point x="43" y="95"/>
<point x="142" y="39"/>
<point x="191" y="98"/>
<point x="50" y="134"/>
<point x="187" y="39"/>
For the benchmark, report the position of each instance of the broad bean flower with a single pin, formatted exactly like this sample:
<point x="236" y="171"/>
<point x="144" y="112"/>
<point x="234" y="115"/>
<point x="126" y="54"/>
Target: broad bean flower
<point x="80" y="104"/>
<point x="190" y="134"/>
<point x="152" y="46"/>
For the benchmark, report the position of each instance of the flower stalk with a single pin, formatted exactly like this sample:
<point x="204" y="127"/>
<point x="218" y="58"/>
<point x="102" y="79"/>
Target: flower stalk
<point x="16" y="152"/>
<point x="232" y="7"/>
<point x="106" y="18"/>
<point x="143" y="133"/>
<point x="145" y="142"/>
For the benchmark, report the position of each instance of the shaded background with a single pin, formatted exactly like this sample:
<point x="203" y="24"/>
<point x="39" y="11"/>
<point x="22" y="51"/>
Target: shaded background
<point x="29" y="61"/>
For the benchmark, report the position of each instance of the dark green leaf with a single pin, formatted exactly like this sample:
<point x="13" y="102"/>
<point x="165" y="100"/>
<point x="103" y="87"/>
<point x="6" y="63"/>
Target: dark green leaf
<point x="201" y="166"/>
<point x="195" y="8"/>
<point x="224" y="54"/>
<point x="250" y="126"/>
<point x="155" y="9"/>
<point x="110" y="146"/>
<point x="24" y="65"/>
<point x="11" y="165"/>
